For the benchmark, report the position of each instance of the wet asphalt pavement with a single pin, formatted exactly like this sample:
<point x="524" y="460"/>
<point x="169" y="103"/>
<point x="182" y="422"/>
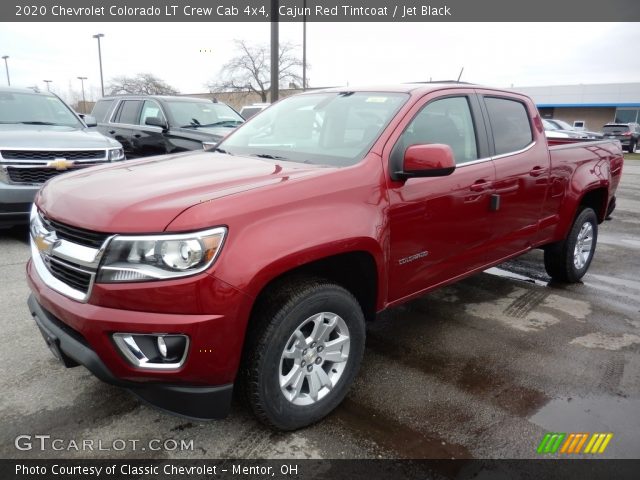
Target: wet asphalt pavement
<point x="483" y="368"/>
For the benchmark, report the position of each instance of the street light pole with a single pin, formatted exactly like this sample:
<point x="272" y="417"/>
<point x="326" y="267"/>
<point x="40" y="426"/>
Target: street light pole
<point x="84" y="102"/>
<point x="48" y="82"/>
<point x="304" y="45"/>
<point x="275" y="52"/>
<point x="99" y="36"/>
<point x="6" y="66"/>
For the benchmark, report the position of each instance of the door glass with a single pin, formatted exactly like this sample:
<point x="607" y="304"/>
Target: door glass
<point x="150" y="109"/>
<point x="129" y="112"/>
<point x="510" y="124"/>
<point x="445" y="121"/>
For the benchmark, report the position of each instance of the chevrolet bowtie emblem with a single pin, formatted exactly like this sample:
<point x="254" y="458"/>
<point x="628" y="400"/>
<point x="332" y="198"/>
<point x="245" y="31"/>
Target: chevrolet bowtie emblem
<point x="60" y="164"/>
<point x="45" y="243"/>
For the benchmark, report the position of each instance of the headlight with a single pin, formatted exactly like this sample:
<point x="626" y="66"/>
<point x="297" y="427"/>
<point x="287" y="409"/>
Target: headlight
<point x="159" y="257"/>
<point x="116" y="154"/>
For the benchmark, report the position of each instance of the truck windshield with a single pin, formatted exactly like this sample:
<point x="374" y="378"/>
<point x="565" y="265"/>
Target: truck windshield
<point x="35" y="109"/>
<point x="203" y="114"/>
<point x="335" y="129"/>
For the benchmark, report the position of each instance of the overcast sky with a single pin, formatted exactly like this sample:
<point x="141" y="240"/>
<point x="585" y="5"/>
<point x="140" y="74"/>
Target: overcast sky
<point x="188" y="55"/>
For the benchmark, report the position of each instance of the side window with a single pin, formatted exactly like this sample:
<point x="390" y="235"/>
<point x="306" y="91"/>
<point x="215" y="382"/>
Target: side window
<point x="445" y="121"/>
<point x="510" y="124"/>
<point x="150" y="109"/>
<point x="100" y="109"/>
<point x="128" y="112"/>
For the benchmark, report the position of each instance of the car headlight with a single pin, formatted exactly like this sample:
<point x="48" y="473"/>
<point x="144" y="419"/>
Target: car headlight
<point x="116" y="154"/>
<point x="159" y="257"/>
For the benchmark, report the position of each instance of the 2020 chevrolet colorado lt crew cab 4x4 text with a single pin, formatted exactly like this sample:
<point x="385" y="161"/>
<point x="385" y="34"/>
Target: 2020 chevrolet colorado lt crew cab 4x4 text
<point x="41" y="137"/>
<point x="257" y="264"/>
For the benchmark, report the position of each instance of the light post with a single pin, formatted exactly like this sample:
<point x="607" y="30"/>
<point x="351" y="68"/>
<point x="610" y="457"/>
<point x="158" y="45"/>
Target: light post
<point x="99" y="36"/>
<point x="48" y="82"/>
<point x="6" y="66"/>
<point x="275" y="52"/>
<point x="304" y="46"/>
<point x="84" y="102"/>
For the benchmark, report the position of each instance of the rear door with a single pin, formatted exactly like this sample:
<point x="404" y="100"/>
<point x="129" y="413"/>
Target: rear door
<point x="123" y="122"/>
<point x="440" y="227"/>
<point x="522" y="163"/>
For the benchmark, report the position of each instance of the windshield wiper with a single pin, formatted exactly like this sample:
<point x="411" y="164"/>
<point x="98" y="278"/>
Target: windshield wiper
<point x="39" y="123"/>
<point x="221" y="150"/>
<point x="224" y="122"/>
<point x="268" y="155"/>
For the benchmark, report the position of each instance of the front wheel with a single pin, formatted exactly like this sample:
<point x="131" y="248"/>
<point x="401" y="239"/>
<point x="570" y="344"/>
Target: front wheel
<point x="569" y="260"/>
<point x="633" y="146"/>
<point x="304" y="348"/>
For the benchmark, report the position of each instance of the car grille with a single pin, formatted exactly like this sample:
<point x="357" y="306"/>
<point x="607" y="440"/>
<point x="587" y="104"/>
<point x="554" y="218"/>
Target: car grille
<point x="34" y="175"/>
<point x="77" y="235"/>
<point x="54" y="154"/>
<point x="73" y="277"/>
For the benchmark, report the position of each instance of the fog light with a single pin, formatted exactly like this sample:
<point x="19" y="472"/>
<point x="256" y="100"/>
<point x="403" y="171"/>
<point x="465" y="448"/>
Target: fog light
<point x="153" y="351"/>
<point x="162" y="347"/>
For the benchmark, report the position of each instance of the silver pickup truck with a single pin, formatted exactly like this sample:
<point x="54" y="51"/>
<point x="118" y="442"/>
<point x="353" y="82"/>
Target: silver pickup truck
<point x="41" y="137"/>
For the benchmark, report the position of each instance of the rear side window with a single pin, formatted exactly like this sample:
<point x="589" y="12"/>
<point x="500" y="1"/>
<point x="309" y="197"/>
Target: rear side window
<point x="128" y="112"/>
<point x="510" y="124"/>
<point x="613" y="129"/>
<point x="100" y="110"/>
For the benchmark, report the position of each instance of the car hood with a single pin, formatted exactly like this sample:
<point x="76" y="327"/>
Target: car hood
<point x="146" y="195"/>
<point x="205" y="133"/>
<point x="35" y="137"/>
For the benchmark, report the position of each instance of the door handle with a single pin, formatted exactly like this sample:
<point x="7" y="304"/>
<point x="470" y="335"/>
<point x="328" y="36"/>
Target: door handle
<point x="480" y="185"/>
<point x="537" y="171"/>
<point x="137" y="135"/>
<point x="112" y="132"/>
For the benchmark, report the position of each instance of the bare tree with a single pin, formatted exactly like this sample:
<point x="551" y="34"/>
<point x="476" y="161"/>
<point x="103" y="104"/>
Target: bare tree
<point x="250" y="70"/>
<point x="141" y="84"/>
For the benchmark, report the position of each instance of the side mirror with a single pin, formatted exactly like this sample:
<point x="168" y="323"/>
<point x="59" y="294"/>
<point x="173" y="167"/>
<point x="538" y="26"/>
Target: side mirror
<point x="155" y="122"/>
<point x="432" y="160"/>
<point x="90" y="121"/>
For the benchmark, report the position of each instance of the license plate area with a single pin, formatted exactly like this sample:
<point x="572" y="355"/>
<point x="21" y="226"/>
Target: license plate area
<point x="53" y="343"/>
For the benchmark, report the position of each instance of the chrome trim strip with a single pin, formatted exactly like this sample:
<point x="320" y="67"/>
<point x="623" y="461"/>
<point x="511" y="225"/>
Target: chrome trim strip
<point x="130" y="350"/>
<point x="53" y="282"/>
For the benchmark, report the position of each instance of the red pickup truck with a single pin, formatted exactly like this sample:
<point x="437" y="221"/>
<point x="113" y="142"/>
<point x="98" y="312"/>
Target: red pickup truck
<point x="258" y="264"/>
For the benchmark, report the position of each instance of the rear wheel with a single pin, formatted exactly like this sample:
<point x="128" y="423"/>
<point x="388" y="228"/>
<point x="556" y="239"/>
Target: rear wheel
<point x="569" y="260"/>
<point x="304" y="349"/>
<point x="633" y="146"/>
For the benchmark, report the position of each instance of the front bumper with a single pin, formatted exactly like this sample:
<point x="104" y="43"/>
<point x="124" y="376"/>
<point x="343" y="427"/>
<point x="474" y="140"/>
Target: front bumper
<point x="15" y="203"/>
<point x="201" y="402"/>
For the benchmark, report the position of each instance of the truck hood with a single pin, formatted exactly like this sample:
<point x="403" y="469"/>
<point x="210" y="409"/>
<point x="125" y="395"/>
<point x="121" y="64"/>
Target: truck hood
<point x="42" y="137"/>
<point x="144" y="196"/>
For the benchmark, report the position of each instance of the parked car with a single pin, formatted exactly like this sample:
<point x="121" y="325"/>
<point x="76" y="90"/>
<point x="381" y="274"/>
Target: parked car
<point x="41" y="137"/>
<point x="249" y="111"/>
<point x="563" y="126"/>
<point x="551" y="131"/>
<point x="628" y="134"/>
<point x="255" y="266"/>
<point x="156" y="125"/>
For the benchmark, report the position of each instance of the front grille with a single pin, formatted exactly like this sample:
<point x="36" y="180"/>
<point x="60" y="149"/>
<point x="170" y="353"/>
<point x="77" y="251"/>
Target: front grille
<point x="75" y="234"/>
<point x="34" y="175"/>
<point x="52" y="155"/>
<point x="71" y="276"/>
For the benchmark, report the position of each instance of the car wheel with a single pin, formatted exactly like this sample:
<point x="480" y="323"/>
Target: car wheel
<point x="633" y="146"/>
<point x="304" y="348"/>
<point x="569" y="260"/>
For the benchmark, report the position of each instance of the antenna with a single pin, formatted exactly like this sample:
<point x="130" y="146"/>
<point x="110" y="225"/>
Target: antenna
<point x="461" y="70"/>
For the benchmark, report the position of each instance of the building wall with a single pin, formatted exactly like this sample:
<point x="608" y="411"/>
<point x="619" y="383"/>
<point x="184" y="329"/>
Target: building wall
<point x="594" y="117"/>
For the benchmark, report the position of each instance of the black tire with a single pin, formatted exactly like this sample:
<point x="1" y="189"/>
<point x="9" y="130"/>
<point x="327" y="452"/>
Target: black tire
<point x="275" y="319"/>
<point x="633" y="144"/>
<point x="559" y="257"/>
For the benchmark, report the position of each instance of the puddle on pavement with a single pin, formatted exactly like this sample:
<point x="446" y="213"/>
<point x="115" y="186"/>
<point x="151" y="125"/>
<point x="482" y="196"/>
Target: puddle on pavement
<point x="603" y="414"/>
<point x="471" y="376"/>
<point x="390" y="434"/>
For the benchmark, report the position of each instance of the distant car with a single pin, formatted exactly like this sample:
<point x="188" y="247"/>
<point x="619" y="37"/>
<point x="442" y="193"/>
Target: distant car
<point x="155" y="125"/>
<point x="628" y="134"/>
<point x="249" y="111"/>
<point x="42" y="137"/>
<point x="565" y="127"/>
<point x="552" y="131"/>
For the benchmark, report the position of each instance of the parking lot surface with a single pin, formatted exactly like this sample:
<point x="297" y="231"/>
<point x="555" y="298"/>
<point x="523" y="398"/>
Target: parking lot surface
<point x="482" y="368"/>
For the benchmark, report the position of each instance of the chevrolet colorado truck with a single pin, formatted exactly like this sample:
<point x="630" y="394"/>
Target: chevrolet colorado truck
<point x="254" y="267"/>
<point x="41" y="137"/>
